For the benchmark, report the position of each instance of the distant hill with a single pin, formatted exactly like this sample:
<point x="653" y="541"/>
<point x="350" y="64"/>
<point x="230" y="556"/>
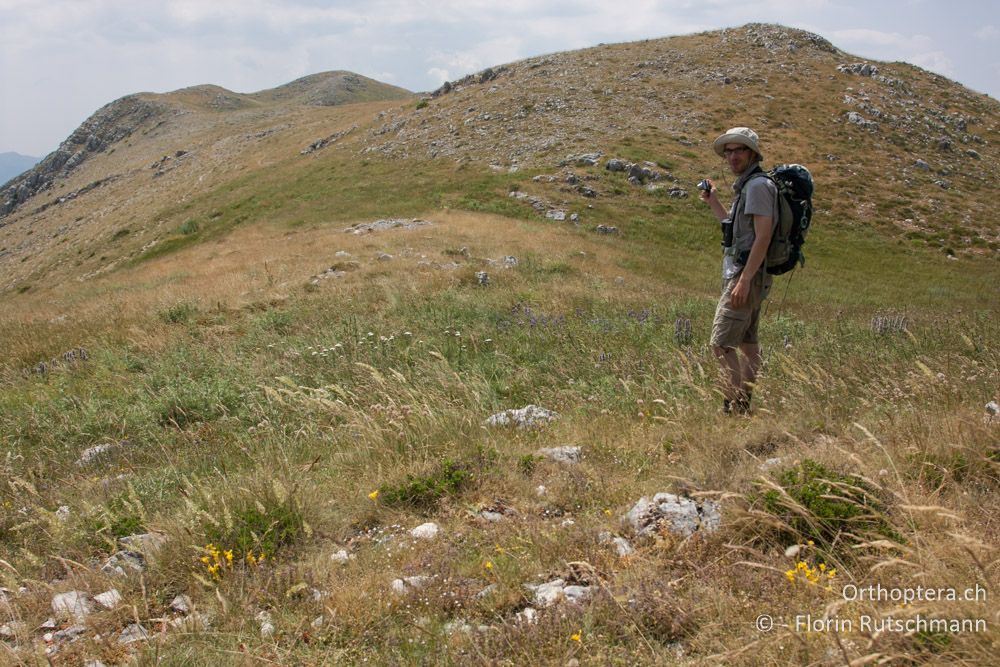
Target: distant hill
<point x="14" y="164"/>
<point x="897" y="151"/>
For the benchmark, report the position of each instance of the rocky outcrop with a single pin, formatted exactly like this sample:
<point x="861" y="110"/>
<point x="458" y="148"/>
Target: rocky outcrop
<point x="110" y="125"/>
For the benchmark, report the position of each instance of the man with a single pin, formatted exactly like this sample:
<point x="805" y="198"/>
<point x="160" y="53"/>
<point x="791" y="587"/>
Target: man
<point x="747" y="230"/>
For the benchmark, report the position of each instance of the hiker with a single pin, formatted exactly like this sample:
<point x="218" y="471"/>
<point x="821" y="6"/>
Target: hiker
<point x="747" y="230"/>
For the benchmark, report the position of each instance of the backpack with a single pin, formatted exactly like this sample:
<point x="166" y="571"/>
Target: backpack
<point x="795" y="190"/>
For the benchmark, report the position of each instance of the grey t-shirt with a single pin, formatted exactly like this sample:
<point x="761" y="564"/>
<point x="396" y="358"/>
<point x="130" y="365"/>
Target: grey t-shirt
<point x="754" y="194"/>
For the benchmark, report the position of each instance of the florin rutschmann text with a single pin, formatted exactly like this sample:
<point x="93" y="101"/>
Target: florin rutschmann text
<point x="869" y="624"/>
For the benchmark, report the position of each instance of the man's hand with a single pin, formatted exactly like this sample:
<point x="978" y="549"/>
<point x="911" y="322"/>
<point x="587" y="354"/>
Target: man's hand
<point x="740" y="292"/>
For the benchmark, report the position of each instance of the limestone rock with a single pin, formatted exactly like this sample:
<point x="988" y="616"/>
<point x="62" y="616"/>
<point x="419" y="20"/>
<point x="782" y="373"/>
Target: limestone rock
<point x="679" y="514"/>
<point x="527" y="417"/>
<point x="425" y="531"/>
<point x="75" y="604"/>
<point x="109" y="599"/>
<point x="567" y="454"/>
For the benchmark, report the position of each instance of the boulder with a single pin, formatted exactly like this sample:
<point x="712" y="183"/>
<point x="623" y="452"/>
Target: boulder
<point x="527" y="417"/>
<point x="679" y="514"/>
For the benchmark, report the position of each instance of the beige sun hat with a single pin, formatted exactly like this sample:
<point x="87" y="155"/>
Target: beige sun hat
<point x="738" y="135"/>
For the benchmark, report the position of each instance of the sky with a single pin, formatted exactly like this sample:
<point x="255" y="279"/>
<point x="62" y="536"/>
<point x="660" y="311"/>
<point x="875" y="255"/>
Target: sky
<point x="61" y="60"/>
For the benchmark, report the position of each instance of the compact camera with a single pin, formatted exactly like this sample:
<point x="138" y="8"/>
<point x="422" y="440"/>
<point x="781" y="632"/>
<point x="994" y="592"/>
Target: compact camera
<point x="705" y="185"/>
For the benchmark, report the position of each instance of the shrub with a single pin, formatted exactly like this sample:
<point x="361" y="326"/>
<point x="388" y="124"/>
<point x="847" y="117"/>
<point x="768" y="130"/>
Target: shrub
<point x="820" y="504"/>
<point x="426" y="491"/>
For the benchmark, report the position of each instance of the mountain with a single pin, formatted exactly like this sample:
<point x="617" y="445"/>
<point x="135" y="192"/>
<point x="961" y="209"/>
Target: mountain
<point x="14" y="164"/>
<point x="894" y="149"/>
<point x="308" y="376"/>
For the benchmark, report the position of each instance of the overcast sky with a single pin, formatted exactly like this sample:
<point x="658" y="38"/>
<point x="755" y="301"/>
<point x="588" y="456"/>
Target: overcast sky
<point x="61" y="60"/>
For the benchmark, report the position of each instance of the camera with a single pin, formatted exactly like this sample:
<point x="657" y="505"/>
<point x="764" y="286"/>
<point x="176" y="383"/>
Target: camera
<point x="705" y="185"/>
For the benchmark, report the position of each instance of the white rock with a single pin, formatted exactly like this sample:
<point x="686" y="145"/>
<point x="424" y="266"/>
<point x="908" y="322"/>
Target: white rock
<point x="624" y="548"/>
<point x="74" y="603"/>
<point x="541" y="490"/>
<point x="526" y="417"/>
<point x="681" y="514"/>
<point x="91" y="454"/>
<point x="548" y="594"/>
<point x="109" y="599"/>
<point x="181" y="604"/>
<point x="528" y="616"/>
<point x="63" y="513"/>
<point x="398" y="586"/>
<point x="768" y="464"/>
<point x="341" y="557"/>
<point x="317" y="622"/>
<point x="566" y="523"/>
<point x="49" y="624"/>
<point x="266" y="624"/>
<point x="492" y="517"/>
<point x="576" y="594"/>
<point x="993" y="408"/>
<point x="133" y="633"/>
<point x="425" y="531"/>
<point x="566" y="454"/>
<point x="486" y="592"/>
<point x="418" y="581"/>
<point x="793" y="551"/>
<point x="146" y="543"/>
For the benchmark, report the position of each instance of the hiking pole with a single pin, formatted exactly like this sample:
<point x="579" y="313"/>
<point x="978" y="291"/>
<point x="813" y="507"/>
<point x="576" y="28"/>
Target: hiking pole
<point x="782" y="302"/>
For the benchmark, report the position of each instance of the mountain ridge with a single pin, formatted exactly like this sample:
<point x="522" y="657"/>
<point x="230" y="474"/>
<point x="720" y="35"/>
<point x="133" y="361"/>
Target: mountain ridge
<point x="894" y="149"/>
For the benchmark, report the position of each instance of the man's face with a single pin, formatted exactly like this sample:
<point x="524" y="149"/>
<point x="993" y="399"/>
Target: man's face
<point x="738" y="157"/>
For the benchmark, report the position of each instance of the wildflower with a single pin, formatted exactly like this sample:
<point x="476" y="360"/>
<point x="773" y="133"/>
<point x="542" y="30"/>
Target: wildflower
<point x="790" y="575"/>
<point x="577" y="636"/>
<point x="251" y="558"/>
<point x="499" y="549"/>
<point x="373" y="495"/>
<point x="229" y="556"/>
<point x="488" y="565"/>
<point x="607" y="512"/>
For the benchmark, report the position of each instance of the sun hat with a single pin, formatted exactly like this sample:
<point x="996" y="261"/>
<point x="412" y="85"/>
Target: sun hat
<point x="738" y="135"/>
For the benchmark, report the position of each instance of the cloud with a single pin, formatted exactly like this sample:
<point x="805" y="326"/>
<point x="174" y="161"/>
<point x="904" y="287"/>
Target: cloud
<point x="935" y="61"/>
<point x="865" y="37"/>
<point x="988" y="33"/>
<point x="439" y="75"/>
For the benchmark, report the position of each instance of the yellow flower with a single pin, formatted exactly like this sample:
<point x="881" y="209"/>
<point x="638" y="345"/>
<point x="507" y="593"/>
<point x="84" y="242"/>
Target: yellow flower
<point x="498" y="549"/>
<point x="260" y="559"/>
<point x="607" y="512"/>
<point x="811" y="543"/>
<point x="229" y="556"/>
<point x="373" y="495"/>
<point x="204" y="559"/>
<point x="577" y="636"/>
<point x="822" y="567"/>
<point x="251" y="559"/>
<point x="790" y="575"/>
<point x="488" y="565"/>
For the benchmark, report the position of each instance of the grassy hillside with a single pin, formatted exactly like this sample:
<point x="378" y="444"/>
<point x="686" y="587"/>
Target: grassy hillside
<point x="275" y="388"/>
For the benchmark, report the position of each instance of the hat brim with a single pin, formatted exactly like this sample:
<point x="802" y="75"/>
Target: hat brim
<point x="720" y="144"/>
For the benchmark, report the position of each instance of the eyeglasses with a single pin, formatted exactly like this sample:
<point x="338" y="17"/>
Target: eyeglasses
<point x="732" y="151"/>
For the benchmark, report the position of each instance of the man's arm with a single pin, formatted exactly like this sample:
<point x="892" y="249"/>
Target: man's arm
<point x="712" y="199"/>
<point x="763" y="230"/>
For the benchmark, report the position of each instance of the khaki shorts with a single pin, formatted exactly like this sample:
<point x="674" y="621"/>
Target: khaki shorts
<point x="735" y="326"/>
